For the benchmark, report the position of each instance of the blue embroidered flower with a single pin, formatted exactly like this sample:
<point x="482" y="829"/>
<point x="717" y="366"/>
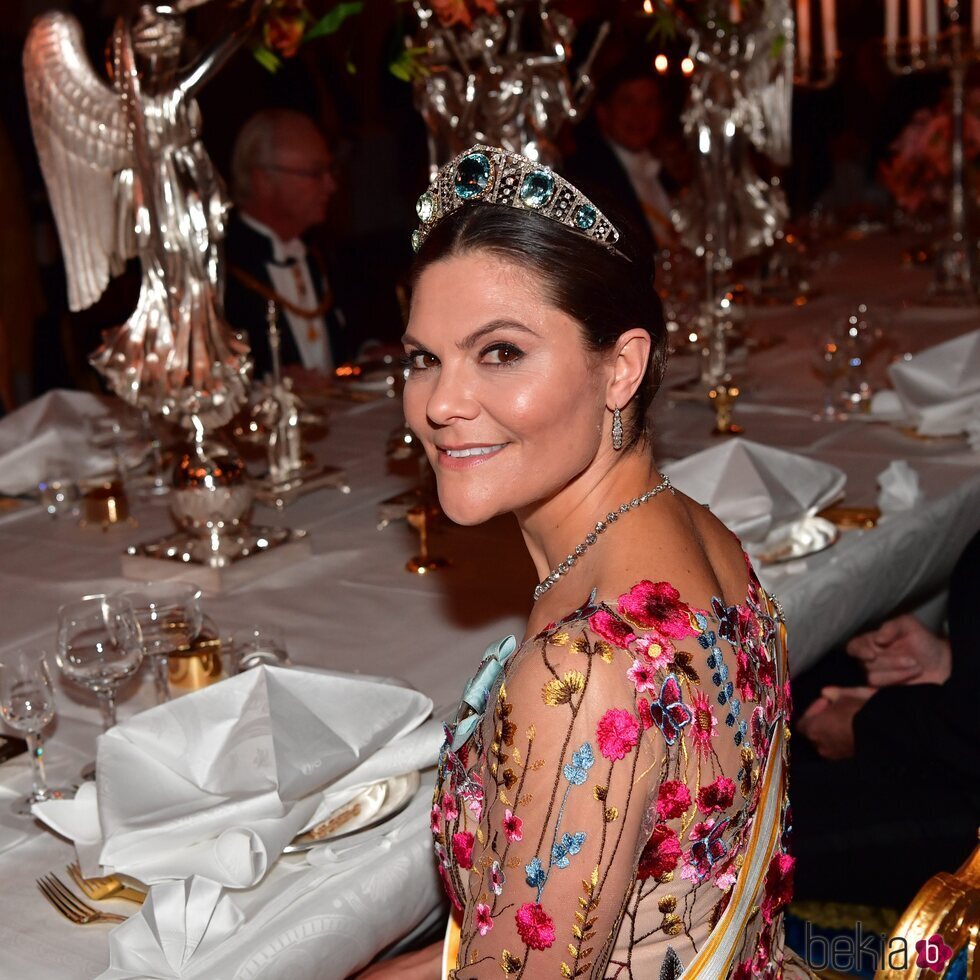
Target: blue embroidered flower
<point x="568" y="846"/>
<point x="668" y="712"/>
<point x="708" y="639"/>
<point x="577" y="771"/>
<point x="535" y="875"/>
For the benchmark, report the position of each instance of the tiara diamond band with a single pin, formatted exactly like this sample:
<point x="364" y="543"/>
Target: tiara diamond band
<point x="493" y="176"/>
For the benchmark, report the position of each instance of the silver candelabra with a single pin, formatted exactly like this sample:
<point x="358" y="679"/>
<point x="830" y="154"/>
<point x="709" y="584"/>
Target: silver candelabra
<point x="950" y="49"/>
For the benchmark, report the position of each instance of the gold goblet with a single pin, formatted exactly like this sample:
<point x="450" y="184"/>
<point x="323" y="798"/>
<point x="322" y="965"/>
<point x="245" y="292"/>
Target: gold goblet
<point x="423" y="563"/>
<point x="723" y="398"/>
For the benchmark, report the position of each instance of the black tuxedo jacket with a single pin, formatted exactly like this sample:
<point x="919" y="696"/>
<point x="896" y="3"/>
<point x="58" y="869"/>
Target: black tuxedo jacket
<point x="245" y="308"/>
<point x="595" y="169"/>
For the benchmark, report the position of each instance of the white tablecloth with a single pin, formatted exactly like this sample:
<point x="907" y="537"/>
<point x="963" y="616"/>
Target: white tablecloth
<point x="352" y="607"/>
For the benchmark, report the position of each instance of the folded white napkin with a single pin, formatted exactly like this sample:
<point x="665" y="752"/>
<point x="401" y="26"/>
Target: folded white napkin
<point x="755" y="489"/>
<point x="940" y="387"/>
<point x="177" y="920"/>
<point x="217" y="782"/>
<point x="51" y="427"/>
<point x="899" y="487"/>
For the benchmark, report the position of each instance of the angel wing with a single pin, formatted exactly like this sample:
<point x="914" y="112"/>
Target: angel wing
<point x="81" y="135"/>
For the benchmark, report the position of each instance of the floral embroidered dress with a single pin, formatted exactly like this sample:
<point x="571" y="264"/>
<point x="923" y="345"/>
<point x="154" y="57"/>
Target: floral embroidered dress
<point x="598" y="790"/>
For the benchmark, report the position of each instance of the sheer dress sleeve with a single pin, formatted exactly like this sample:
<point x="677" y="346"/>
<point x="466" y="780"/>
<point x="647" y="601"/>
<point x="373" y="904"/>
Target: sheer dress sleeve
<point x="544" y="858"/>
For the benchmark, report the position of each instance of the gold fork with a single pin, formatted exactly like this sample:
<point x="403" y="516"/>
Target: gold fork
<point x="99" y="889"/>
<point x="72" y="908"/>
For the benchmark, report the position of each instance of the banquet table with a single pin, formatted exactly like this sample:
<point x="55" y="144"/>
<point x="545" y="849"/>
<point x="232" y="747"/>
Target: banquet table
<point x="350" y="606"/>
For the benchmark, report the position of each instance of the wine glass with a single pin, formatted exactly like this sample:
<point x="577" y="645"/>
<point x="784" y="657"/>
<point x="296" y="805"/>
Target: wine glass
<point x="99" y="646"/>
<point x="170" y="619"/>
<point x="27" y="705"/>
<point x="831" y="363"/>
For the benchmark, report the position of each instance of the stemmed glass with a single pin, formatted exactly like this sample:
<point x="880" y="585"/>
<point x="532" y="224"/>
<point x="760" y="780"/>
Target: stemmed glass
<point x="170" y="619"/>
<point x="99" y="646"/>
<point x="27" y="705"/>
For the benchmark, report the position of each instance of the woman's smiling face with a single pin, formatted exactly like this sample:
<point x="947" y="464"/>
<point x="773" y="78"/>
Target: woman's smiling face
<point x="502" y="392"/>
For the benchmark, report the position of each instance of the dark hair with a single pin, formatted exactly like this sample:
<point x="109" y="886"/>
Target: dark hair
<point x="607" y="293"/>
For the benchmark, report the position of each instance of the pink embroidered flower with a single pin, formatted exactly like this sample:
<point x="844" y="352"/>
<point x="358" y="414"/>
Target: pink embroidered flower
<point x="643" y="675"/>
<point x="744" y="679"/>
<point x="535" y="926"/>
<point x="660" y="855"/>
<point x="705" y="723"/>
<point x="483" y="919"/>
<point x="448" y="885"/>
<point x="726" y="879"/>
<point x="658" y="649"/>
<point x="513" y="827"/>
<point x="743" y="971"/>
<point x="657" y="605"/>
<point x="449" y="808"/>
<point x="673" y="799"/>
<point x="779" y="885"/>
<point x="763" y="953"/>
<point x="463" y="849"/>
<point x="497" y="878"/>
<point x="435" y="819"/>
<point x="643" y="710"/>
<point x="617" y="733"/>
<point x="716" y="796"/>
<point x="611" y="629"/>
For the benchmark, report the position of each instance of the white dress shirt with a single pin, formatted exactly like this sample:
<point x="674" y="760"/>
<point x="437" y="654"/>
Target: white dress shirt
<point x="289" y="273"/>
<point x="643" y="170"/>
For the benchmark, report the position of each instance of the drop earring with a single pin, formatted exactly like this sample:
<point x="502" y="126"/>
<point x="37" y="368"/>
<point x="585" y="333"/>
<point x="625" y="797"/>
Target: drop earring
<point x="617" y="429"/>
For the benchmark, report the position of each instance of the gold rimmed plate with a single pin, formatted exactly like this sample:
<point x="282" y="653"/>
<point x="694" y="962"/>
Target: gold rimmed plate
<point x="372" y="806"/>
<point x="809" y="537"/>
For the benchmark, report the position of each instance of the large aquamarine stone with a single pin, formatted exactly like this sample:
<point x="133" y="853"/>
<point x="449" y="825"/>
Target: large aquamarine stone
<point x="425" y="207"/>
<point x="585" y="216"/>
<point x="537" y="188"/>
<point x="472" y="176"/>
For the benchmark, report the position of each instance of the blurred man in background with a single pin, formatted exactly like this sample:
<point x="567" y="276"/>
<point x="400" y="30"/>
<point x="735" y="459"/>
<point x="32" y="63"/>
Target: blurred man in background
<point x="282" y="182"/>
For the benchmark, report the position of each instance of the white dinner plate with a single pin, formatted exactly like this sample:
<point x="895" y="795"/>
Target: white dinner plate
<point x="808" y="537"/>
<point x="371" y="806"/>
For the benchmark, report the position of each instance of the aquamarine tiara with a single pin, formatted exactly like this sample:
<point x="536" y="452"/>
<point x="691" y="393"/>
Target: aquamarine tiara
<point x="490" y="175"/>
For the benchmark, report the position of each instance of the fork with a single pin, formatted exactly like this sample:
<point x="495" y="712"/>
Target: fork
<point x="72" y="908"/>
<point x="99" y="889"/>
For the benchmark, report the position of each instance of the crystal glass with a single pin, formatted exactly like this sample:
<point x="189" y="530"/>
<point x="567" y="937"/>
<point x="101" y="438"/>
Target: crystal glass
<point x="831" y="364"/>
<point x="255" y="645"/>
<point x="170" y="619"/>
<point x="27" y="705"/>
<point x="58" y="490"/>
<point x="99" y="646"/>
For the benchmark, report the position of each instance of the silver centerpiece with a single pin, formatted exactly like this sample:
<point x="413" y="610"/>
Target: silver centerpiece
<point x="484" y="85"/>
<point x="128" y="175"/>
<point x="739" y="105"/>
<point x="278" y="417"/>
<point x="955" y="49"/>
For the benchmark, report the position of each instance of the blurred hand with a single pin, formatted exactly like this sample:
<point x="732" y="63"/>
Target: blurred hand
<point x="423" y="964"/>
<point x="902" y="651"/>
<point x="829" y="722"/>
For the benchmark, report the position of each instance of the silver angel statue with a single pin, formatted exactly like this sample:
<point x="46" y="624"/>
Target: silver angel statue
<point x="128" y="175"/>
<point x="483" y="84"/>
<point x="738" y="106"/>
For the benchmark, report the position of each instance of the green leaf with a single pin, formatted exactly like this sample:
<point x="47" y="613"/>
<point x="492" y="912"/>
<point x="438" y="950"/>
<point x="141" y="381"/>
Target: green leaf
<point x="267" y="58"/>
<point x="330" y="22"/>
<point x="407" y="67"/>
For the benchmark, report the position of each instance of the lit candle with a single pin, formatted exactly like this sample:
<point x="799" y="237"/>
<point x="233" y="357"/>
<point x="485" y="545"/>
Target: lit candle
<point x="932" y="22"/>
<point x="828" y="9"/>
<point x="976" y="23"/>
<point x="915" y="23"/>
<point x="803" y="34"/>
<point x="891" y="25"/>
<point x="736" y="11"/>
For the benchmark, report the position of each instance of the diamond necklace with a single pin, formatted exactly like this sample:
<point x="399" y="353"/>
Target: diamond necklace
<point x="590" y="539"/>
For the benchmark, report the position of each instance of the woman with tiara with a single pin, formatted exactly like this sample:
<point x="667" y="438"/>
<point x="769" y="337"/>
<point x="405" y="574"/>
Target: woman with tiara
<point x="611" y="798"/>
